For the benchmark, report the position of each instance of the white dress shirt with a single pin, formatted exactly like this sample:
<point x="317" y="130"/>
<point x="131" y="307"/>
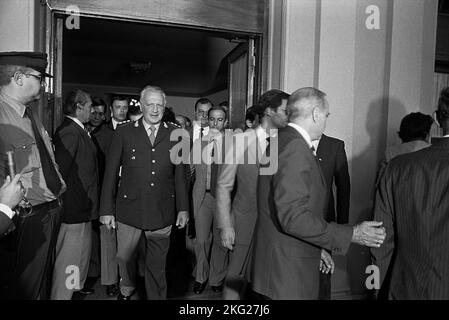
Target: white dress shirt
<point x="197" y="131"/>
<point x="6" y="210"/>
<point x="303" y="133"/>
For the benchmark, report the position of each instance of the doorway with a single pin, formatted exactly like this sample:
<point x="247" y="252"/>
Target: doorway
<point x="108" y="56"/>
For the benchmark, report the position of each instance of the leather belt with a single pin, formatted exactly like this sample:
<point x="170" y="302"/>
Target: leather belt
<point x="208" y="191"/>
<point x="47" y="205"/>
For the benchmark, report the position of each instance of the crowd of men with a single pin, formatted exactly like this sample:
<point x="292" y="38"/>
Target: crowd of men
<point x="102" y="199"/>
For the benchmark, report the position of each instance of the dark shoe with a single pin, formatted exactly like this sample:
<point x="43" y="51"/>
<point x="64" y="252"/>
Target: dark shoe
<point x="198" y="287"/>
<point x="111" y="290"/>
<point x="217" y="289"/>
<point x="123" y="297"/>
<point x="86" y="291"/>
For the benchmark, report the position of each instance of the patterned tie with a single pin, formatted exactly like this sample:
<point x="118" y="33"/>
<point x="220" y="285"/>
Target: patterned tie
<point x="51" y="176"/>
<point x="152" y="135"/>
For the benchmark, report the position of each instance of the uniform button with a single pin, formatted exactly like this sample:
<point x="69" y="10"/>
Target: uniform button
<point x="24" y="147"/>
<point x="152" y="184"/>
<point x="125" y="196"/>
<point x="134" y="150"/>
<point x="133" y="158"/>
<point x="153" y="172"/>
<point x="153" y="150"/>
<point x="154" y="161"/>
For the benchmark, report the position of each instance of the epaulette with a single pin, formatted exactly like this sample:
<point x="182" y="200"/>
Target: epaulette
<point x="124" y="122"/>
<point x="175" y="125"/>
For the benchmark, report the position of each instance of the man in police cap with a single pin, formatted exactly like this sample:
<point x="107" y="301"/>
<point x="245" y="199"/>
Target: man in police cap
<point x="22" y="77"/>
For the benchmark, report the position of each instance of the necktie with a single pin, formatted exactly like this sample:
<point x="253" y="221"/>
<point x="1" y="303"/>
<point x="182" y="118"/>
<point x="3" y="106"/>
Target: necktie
<point x="152" y="135"/>
<point x="213" y="172"/>
<point x="313" y="150"/>
<point x="201" y="132"/>
<point x="51" y="176"/>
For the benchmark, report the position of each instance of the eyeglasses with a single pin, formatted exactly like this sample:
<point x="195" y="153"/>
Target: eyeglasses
<point x="40" y="78"/>
<point x="152" y="105"/>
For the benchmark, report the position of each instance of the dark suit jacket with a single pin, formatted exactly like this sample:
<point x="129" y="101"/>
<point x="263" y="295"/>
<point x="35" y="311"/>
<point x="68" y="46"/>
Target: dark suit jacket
<point x="102" y="138"/>
<point x="76" y="156"/>
<point x="290" y="229"/>
<point x="152" y="189"/>
<point x="413" y="203"/>
<point x="6" y="224"/>
<point x="334" y="165"/>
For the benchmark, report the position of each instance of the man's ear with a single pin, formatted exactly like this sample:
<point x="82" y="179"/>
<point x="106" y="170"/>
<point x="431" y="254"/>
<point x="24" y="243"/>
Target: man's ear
<point x="315" y="114"/>
<point x="18" y="78"/>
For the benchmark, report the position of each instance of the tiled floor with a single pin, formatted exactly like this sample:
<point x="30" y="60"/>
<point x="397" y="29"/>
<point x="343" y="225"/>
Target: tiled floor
<point x="179" y="279"/>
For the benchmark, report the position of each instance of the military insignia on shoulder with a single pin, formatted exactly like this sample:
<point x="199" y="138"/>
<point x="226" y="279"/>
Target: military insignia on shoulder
<point x="136" y="124"/>
<point x="174" y="125"/>
<point x="124" y="122"/>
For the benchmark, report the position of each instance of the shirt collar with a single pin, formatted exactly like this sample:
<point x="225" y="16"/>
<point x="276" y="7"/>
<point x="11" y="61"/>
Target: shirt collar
<point x="303" y="133"/>
<point x="114" y="123"/>
<point x="446" y="136"/>
<point x="147" y="126"/>
<point x="16" y="105"/>
<point x="76" y="121"/>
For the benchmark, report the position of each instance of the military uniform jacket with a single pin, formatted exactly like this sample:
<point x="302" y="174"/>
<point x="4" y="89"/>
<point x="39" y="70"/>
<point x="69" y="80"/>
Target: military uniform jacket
<point x="152" y="189"/>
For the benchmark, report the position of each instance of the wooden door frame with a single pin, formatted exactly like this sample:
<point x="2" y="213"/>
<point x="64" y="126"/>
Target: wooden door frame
<point x="54" y="43"/>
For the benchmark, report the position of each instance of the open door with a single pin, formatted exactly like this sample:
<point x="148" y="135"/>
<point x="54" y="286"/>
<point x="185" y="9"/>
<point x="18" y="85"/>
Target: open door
<point x="241" y="74"/>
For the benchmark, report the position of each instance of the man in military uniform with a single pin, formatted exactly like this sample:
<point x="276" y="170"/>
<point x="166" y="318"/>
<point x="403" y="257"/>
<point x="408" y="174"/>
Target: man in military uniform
<point x="152" y="189"/>
<point x="22" y="76"/>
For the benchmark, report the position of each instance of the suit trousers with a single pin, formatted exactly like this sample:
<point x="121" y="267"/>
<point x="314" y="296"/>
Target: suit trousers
<point x="35" y="255"/>
<point x="157" y="243"/>
<point x="235" y="281"/>
<point x="73" y="250"/>
<point x="108" y="253"/>
<point x="211" y="256"/>
<point x="95" y="256"/>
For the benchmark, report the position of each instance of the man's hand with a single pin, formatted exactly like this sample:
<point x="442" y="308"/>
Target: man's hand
<point x="108" y="221"/>
<point x="227" y="236"/>
<point x="183" y="219"/>
<point x="326" y="262"/>
<point x="11" y="193"/>
<point x="369" y="233"/>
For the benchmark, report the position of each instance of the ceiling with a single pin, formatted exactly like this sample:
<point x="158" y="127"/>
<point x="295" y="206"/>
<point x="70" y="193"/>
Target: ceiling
<point x="183" y="62"/>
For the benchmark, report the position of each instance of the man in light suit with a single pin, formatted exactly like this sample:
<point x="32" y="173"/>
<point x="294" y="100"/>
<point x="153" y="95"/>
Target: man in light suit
<point x="207" y="243"/>
<point x="334" y="165"/>
<point x="11" y="193"/>
<point x="152" y="190"/>
<point x="236" y="217"/>
<point x="413" y="203"/>
<point x="290" y="230"/>
<point x="76" y="156"/>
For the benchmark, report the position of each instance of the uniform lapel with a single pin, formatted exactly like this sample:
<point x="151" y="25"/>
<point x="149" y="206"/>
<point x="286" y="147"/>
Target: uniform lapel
<point x="161" y="133"/>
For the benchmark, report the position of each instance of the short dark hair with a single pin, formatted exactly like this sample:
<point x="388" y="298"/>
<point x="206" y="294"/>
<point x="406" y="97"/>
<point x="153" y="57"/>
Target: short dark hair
<point x="119" y="98"/>
<point x="169" y="115"/>
<point x="96" y="102"/>
<point x="254" y="111"/>
<point x="72" y="99"/>
<point x="443" y="105"/>
<point x="203" y="101"/>
<point x="134" y="111"/>
<point x="415" y="126"/>
<point x="220" y="108"/>
<point x="273" y="98"/>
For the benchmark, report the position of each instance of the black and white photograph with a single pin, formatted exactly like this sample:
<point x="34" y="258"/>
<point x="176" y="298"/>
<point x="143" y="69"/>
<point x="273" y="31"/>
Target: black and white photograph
<point x="222" y="155"/>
